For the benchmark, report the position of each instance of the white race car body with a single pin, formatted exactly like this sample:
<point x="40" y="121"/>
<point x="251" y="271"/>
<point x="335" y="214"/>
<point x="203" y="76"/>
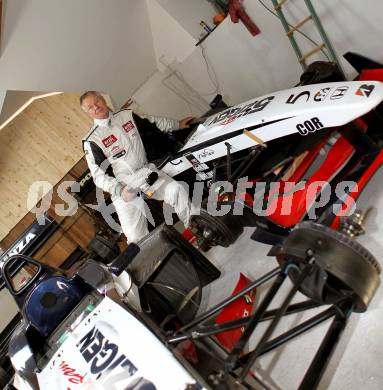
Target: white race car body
<point x="302" y="110"/>
<point x="111" y="349"/>
<point x="101" y="343"/>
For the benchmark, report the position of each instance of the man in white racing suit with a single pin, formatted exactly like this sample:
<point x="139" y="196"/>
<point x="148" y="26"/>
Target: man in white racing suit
<point x="117" y="159"/>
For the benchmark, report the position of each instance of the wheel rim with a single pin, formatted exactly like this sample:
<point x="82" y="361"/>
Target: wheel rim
<point x="342" y="265"/>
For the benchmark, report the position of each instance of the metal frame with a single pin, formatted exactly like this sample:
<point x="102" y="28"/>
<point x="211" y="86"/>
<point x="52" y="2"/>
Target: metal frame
<point x="291" y="38"/>
<point x="228" y="161"/>
<point x="238" y="365"/>
<point x="323" y="33"/>
<point x="318" y="24"/>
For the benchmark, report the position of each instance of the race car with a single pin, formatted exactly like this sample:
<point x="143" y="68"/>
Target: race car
<point x="88" y="329"/>
<point x="94" y="329"/>
<point x="284" y="148"/>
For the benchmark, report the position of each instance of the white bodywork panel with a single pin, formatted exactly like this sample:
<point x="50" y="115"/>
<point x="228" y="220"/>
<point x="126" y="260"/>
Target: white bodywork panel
<point x="302" y="110"/>
<point x="121" y="354"/>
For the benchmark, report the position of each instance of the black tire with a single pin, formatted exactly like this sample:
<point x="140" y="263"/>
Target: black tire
<point x="224" y="230"/>
<point x="342" y="265"/>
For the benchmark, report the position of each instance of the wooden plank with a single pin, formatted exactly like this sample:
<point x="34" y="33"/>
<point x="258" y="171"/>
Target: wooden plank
<point x="82" y="230"/>
<point x="42" y="143"/>
<point x="78" y="228"/>
<point x="300" y="24"/>
<point x="55" y="251"/>
<point x="67" y="127"/>
<point x="253" y="137"/>
<point x="311" y="52"/>
<point x="12" y="236"/>
<point x="79" y="168"/>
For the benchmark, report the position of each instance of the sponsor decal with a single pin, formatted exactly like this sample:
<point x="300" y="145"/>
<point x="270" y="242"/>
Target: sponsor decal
<point x="365" y="90"/>
<point x="229" y="120"/>
<point x="35" y="235"/>
<point x="73" y="376"/>
<point x="119" y="154"/>
<point x="339" y="93"/>
<point x="202" y="176"/>
<point x="321" y="94"/>
<point x="205" y="153"/>
<point x="174" y="162"/>
<point x="109" y="141"/>
<point x="292" y="99"/>
<point x="197" y="166"/>
<point x="102" y="355"/>
<point x="231" y="114"/>
<point x="20" y="245"/>
<point x="128" y="126"/>
<point x="309" y="126"/>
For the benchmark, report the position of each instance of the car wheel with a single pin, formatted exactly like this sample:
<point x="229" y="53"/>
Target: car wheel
<point x="342" y="266"/>
<point x="211" y="231"/>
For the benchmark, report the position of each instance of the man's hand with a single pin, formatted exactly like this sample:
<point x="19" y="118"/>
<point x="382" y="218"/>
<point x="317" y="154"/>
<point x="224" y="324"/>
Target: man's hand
<point x="128" y="195"/>
<point x="183" y="124"/>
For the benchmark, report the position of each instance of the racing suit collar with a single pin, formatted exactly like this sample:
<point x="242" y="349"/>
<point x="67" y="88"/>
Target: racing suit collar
<point x="103" y="122"/>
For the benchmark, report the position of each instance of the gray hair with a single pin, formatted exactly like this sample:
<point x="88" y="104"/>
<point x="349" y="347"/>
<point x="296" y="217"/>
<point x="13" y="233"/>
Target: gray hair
<point x="89" y="93"/>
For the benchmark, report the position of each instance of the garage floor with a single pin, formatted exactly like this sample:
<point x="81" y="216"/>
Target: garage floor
<point x="357" y="361"/>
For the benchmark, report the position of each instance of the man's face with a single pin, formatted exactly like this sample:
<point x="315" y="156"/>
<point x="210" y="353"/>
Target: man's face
<point x="95" y="106"/>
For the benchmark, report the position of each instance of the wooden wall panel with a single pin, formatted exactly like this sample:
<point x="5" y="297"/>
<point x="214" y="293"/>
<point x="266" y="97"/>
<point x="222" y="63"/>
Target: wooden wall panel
<point x="41" y="144"/>
<point x="74" y="231"/>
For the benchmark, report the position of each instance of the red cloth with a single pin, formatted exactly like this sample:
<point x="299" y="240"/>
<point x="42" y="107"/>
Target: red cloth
<point x="237" y="13"/>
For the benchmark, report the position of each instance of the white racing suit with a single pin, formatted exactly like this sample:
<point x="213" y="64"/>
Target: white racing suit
<point x="116" y="158"/>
